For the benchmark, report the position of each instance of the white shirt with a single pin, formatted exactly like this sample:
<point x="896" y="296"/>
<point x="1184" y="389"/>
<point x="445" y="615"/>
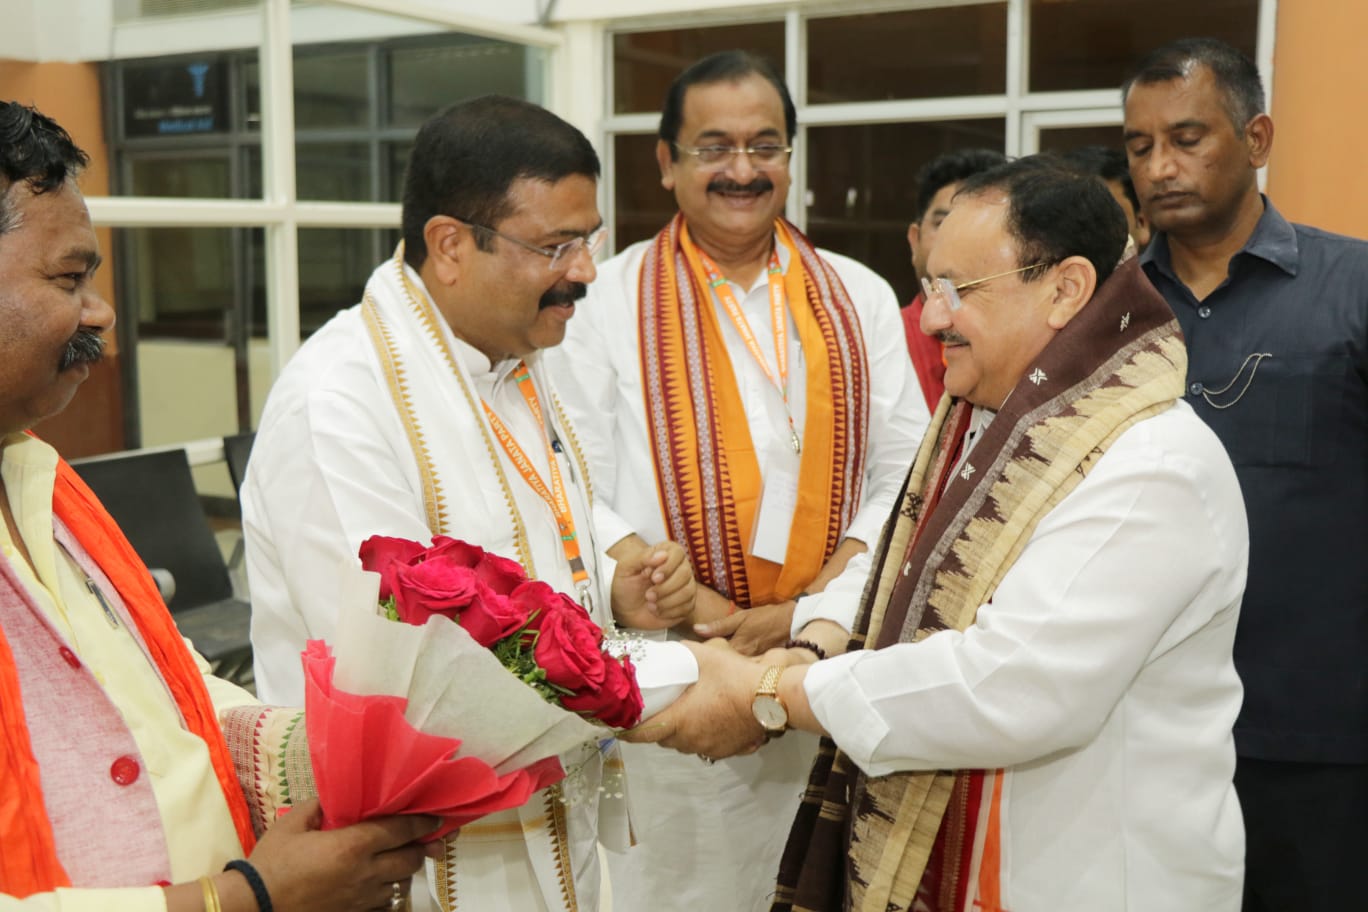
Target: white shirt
<point x="1099" y="675"/>
<point x="598" y="373"/>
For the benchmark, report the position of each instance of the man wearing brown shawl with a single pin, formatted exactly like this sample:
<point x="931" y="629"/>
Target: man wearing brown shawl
<point x="1042" y="720"/>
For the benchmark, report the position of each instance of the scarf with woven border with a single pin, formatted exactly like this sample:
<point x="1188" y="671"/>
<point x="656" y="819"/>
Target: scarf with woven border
<point x="29" y="863"/>
<point x="878" y="845"/>
<point x="707" y="470"/>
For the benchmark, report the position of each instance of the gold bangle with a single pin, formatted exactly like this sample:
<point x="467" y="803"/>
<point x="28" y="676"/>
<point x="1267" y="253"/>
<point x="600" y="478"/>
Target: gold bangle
<point x="211" y="896"/>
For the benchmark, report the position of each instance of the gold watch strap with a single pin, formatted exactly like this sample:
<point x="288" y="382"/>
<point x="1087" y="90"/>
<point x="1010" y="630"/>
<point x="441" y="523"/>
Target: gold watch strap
<point x="769" y="682"/>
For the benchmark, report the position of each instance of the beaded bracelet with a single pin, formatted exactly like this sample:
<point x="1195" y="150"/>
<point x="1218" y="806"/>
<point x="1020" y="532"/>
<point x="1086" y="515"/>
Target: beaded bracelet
<point x="809" y="646"/>
<point x="244" y="867"/>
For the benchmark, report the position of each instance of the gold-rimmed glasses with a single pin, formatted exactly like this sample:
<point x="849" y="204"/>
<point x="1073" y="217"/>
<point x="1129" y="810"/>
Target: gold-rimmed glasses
<point x="718" y="157"/>
<point x="948" y="292"/>
<point x="561" y="253"/>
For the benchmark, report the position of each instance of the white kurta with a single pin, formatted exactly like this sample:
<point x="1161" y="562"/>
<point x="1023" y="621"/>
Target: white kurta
<point x="332" y="465"/>
<point x="710" y="837"/>
<point x="1100" y="676"/>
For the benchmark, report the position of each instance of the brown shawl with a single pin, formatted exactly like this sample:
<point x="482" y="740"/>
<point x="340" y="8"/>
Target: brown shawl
<point x="862" y="844"/>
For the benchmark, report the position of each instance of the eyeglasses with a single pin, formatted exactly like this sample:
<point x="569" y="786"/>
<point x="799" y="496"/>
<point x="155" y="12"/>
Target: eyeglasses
<point x="717" y="158"/>
<point x="559" y="254"/>
<point x="948" y="292"/>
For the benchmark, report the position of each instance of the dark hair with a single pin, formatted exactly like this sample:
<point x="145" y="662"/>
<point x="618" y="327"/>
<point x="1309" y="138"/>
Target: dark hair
<point x="1054" y="213"/>
<point x="33" y="150"/>
<point x="1105" y="162"/>
<point x="467" y="157"/>
<point x="724" y="66"/>
<point x="951" y="168"/>
<point x="1236" y="75"/>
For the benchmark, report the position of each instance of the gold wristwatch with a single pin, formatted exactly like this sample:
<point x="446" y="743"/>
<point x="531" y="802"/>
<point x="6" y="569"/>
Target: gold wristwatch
<point x="769" y="710"/>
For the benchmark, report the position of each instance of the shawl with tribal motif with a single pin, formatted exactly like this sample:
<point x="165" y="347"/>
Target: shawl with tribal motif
<point x="707" y="470"/>
<point x="863" y="844"/>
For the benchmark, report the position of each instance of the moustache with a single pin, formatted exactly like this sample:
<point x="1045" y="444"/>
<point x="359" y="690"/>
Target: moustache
<point x="948" y="337"/>
<point x="761" y="184"/>
<point x="562" y="294"/>
<point x="85" y="347"/>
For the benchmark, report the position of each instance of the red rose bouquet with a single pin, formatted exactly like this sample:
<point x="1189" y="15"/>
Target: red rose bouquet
<point x="464" y="708"/>
<point x="540" y="635"/>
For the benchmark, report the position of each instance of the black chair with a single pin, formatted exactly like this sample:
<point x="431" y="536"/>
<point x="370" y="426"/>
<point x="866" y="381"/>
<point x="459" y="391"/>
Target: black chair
<point x="153" y="499"/>
<point x="236" y="449"/>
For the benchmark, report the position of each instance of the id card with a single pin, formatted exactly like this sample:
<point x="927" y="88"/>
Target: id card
<point x="774" y="514"/>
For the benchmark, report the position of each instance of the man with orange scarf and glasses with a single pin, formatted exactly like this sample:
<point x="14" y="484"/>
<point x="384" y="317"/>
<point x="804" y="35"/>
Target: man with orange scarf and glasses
<point x="118" y="788"/>
<point x="743" y="393"/>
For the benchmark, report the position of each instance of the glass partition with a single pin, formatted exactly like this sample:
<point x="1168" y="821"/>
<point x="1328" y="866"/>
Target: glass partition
<point x="919" y="53"/>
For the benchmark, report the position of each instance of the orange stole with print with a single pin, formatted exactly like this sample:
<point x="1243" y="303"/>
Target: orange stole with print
<point x="707" y="466"/>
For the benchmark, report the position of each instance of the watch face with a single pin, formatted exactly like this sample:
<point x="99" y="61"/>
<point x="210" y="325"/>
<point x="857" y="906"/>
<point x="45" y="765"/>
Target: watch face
<point x="769" y="712"/>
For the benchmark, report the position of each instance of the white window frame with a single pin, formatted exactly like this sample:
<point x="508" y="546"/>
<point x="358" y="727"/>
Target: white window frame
<point x="279" y="213"/>
<point x="1025" y="112"/>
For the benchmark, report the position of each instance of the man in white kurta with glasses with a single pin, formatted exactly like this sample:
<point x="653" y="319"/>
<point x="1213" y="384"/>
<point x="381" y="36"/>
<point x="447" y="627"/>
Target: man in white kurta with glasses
<point x="425" y="410"/>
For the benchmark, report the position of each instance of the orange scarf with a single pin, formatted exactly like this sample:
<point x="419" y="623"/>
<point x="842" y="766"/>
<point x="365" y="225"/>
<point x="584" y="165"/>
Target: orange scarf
<point x="707" y="470"/>
<point x="29" y="862"/>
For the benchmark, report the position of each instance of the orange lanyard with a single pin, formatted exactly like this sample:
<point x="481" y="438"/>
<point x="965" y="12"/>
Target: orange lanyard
<point x="778" y="319"/>
<point x="555" y="496"/>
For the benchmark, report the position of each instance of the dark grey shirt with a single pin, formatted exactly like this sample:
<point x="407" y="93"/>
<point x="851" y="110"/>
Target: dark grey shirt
<point x="1278" y="367"/>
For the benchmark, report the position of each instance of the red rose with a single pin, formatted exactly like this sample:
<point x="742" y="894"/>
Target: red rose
<point x="490" y="617"/>
<point x="433" y="587"/>
<point x="616" y="702"/>
<point x="384" y="555"/>
<point x="568" y="643"/>
<point x="499" y="573"/>
<point x="454" y="551"/>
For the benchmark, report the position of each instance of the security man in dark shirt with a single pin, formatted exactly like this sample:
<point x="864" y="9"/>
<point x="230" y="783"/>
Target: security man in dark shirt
<point x="1276" y="321"/>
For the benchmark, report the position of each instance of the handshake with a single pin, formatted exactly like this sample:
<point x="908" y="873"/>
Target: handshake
<point x="739" y="702"/>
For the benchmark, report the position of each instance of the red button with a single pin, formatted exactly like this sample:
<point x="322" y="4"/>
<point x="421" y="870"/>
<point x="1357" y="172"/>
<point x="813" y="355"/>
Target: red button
<point x="125" y="770"/>
<point x="162" y="883"/>
<point x="70" y="657"/>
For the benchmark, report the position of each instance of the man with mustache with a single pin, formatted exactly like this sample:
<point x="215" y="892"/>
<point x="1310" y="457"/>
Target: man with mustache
<point x="1276" y="321"/>
<point x="119" y="789"/>
<point x="745" y="394"/>
<point x="425" y="410"/>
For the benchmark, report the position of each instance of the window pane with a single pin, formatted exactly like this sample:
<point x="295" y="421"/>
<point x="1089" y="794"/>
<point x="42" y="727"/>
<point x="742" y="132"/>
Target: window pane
<point x="333" y="171"/>
<point x="179" y="297"/>
<point x="334" y="264"/>
<point x="645" y="63"/>
<point x="398" y="154"/>
<point x="332" y="90"/>
<point x="1094" y="44"/>
<point x="641" y="206"/>
<point x="426" y="78"/>
<point x="1062" y="139"/>
<point x="862" y="186"/>
<point x="926" y="53"/>
<point x="177" y="281"/>
<point x="151" y="175"/>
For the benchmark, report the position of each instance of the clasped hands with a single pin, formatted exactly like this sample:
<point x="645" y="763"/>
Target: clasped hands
<point x="713" y="718"/>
